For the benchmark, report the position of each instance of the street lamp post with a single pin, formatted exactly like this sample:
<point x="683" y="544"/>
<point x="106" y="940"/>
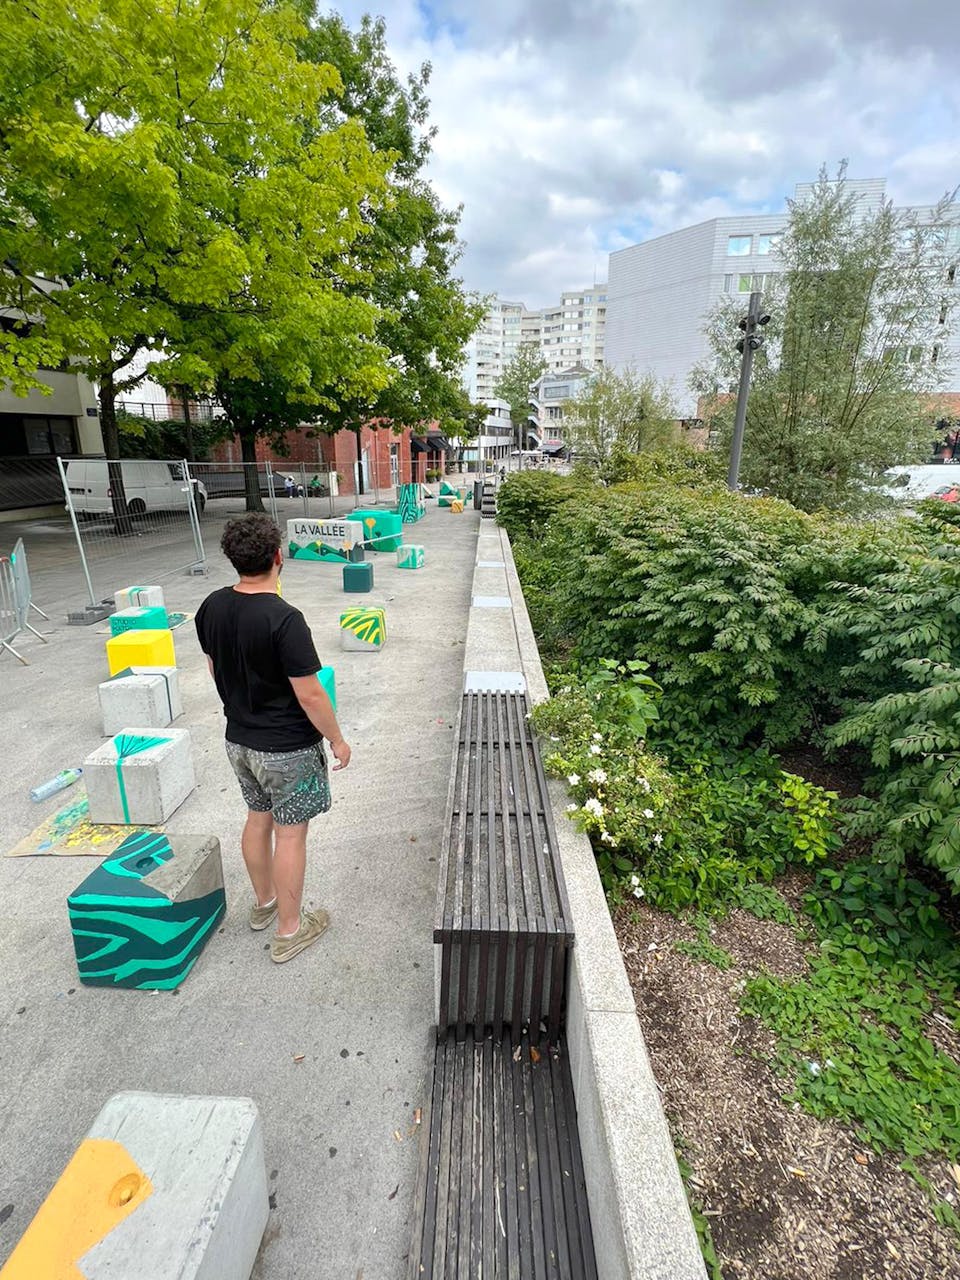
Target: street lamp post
<point x="750" y="342"/>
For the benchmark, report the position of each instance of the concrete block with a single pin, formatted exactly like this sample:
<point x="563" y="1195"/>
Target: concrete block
<point x="363" y="629"/>
<point x="161" y="1186"/>
<point x="327" y="677"/>
<point x="384" y="529"/>
<point x="410" y="556"/>
<point x="139" y="598"/>
<point x="144" y="915"/>
<point x="171" y="680"/>
<point x="140" y="776"/>
<point x="141" y="649"/>
<point x="410" y="507"/>
<point x="139" y="619"/>
<point x="134" y="700"/>
<point x="358" y="577"/>
<point x="329" y="541"/>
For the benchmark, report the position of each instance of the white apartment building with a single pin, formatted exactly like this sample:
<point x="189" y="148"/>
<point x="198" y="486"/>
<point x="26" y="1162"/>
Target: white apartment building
<point x="571" y="337"/>
<point x="573" y="334"/>
<point x="661" y="292"/>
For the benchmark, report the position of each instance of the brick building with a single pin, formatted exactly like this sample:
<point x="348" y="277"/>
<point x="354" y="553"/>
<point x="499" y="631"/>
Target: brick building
<point x="387" y="457"/>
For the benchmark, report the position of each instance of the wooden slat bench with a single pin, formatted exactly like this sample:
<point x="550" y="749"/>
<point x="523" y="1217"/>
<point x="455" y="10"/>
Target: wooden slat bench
<point x="501" y="1192"/>
<point x="503" y="920"/>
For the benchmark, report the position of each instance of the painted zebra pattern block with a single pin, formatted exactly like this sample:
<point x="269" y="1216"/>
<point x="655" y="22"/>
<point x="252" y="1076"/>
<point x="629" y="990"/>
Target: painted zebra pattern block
<point x="144" y="915"/>
<point x="363" y="629"/>
<point x="409" y="507"/>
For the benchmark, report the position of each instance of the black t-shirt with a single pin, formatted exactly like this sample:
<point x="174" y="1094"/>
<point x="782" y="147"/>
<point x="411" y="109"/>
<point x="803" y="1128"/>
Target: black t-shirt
<point x="257" y="641"/>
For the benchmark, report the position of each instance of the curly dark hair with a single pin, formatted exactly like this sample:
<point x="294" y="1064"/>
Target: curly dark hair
<point x="251" y="543"/>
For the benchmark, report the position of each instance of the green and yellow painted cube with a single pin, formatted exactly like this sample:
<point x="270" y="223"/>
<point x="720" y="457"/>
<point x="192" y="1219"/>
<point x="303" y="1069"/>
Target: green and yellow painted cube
<point x="409" y="556"/>
<point x="363" y="629"/>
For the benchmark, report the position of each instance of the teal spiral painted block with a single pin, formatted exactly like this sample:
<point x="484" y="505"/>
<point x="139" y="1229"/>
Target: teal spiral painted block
<point x="409" y="507"/>
<point x="144" y="915"/>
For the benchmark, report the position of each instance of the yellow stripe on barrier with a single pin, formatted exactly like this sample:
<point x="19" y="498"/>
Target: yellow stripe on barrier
<point x="100" y="1187"/>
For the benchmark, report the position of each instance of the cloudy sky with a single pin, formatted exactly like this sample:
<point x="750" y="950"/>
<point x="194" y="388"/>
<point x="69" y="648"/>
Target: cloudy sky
<point x="571" y="128"/>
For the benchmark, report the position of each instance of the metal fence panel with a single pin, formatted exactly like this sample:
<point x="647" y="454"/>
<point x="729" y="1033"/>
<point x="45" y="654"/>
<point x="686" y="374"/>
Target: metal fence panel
<point x="161" y="534"/>
<point x="15" y="600"/>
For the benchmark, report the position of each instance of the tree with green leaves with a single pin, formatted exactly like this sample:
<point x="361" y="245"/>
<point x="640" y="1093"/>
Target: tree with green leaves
<point x="515" y="385"/>
<point x="162" y="192"/>
<point x="844" y="384"/>
<point x="616" y="413"/>
<point x="403" y="265"/>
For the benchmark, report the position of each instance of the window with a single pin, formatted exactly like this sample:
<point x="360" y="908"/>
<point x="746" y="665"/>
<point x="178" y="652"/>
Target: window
<point x="766" y="244"/>
<point x="738" y="246"/>
<point x="728" y="284"/>
<point x="745" y="284"/>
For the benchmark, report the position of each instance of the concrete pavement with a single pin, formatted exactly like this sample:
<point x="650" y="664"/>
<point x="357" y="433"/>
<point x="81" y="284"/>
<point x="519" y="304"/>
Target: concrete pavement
<point x="341" y="1140"/>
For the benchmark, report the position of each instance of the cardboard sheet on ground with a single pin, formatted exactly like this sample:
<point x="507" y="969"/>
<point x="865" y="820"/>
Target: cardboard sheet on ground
<point x="70" y="833"/>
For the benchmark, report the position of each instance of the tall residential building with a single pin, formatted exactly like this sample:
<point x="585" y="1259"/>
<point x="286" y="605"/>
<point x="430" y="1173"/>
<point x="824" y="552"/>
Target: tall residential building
<point x="570" y="335"/>
<point x="662" y="292"/>
<point x="573" y="334"/>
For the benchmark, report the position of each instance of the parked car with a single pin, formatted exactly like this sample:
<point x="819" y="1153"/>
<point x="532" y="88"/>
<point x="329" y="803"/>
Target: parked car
<point x="147" y="486"/>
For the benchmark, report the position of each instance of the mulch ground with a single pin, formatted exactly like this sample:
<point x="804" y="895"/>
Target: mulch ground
<point x="788" y="1196"/>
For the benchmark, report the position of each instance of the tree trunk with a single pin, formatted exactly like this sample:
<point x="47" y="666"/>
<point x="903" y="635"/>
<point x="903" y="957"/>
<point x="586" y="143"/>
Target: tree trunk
<point x="251" y="477"/>
<point x="122" y="524"/>
<point x="188" y="426"/>
<point x="357" y="429"/>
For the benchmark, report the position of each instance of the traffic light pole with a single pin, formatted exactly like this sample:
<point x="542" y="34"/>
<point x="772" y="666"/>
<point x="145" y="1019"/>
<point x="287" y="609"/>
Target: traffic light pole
<point x="749" y="346"/>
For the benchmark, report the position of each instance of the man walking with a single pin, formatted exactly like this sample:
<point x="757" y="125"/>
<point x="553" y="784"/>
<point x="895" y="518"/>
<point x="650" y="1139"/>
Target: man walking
<point x="262" y="657"/>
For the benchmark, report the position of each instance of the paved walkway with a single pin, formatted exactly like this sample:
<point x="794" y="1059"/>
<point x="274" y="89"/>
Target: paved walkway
<point x="341" y="1138"/>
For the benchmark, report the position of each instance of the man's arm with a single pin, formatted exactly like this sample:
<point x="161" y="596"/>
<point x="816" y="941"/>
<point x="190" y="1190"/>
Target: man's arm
<point x="318" y="709"/>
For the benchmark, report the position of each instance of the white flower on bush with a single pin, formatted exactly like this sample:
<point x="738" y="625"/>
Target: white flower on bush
<point x="636" y="888"/>
<point x="657" y="838"/>
<point x="596" y="750"/>
<point x="607" y="838"/>
<point x="598" y="737"/>
<point x="573" y="779"/>
<point x="571" y="808"/>
<point x="597" y="775"/>
<point x="648" y="813"/>
<point x="644" y="784"/>
<point x="593" y="806"/>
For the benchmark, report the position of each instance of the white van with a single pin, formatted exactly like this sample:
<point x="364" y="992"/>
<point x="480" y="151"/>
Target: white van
<point x="911" y="484"/>
<point x="147" y="485"/>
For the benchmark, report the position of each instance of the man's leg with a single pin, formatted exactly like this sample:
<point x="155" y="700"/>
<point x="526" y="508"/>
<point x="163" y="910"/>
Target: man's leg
<point x="256" y="844"/>
<point x="289" y="867"/>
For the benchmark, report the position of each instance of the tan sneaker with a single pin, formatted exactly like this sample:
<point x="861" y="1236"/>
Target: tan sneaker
<point x="312" y="925"/>
<point x="260" y="917"/>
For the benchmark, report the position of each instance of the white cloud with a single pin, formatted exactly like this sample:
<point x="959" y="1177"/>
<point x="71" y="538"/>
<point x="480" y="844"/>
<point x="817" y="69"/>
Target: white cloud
<point x="568" y="128"/>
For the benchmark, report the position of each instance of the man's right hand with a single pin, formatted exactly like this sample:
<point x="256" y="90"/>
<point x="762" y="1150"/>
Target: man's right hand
<point x="341" y="751"/>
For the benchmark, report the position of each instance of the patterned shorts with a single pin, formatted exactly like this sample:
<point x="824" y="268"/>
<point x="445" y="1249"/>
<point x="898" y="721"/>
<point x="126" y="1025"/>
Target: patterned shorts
<point x="292" y="785"/>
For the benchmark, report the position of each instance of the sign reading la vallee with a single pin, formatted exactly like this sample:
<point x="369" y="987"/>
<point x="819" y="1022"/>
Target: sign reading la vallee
<point x="329" y="540"/>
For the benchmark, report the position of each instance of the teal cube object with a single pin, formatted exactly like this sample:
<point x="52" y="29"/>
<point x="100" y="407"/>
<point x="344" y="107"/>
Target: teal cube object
<point x="144" y="915"/>
<point x="410" y="556"/>
<point x="383" y="529"/>
<point x="328" y="679"/>
<point x="358" y="577"/>
<point x="149" y="618"/>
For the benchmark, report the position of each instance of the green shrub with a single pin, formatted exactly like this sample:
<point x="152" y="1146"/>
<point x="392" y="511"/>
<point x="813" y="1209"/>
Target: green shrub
<point x="527" y="500"/>
<point x="853" y="1032"/>
<point x="692" y="836"/>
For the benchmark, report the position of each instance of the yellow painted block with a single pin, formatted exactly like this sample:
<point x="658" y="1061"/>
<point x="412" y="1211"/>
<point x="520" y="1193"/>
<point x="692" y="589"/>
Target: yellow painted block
<point x="140" y="649"/>
<point x="456" y="506"/>
<point x="100" y="1187"/>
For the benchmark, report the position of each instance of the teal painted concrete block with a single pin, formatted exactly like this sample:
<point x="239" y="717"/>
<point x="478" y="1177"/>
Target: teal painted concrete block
<point x="143" y="917"/>
<point x="149" y="618"/>
<point x="383" y="529"/>
<point x="358" y="577"/>
<point x="328" y="678"/>
<point x="410" y="556"/>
